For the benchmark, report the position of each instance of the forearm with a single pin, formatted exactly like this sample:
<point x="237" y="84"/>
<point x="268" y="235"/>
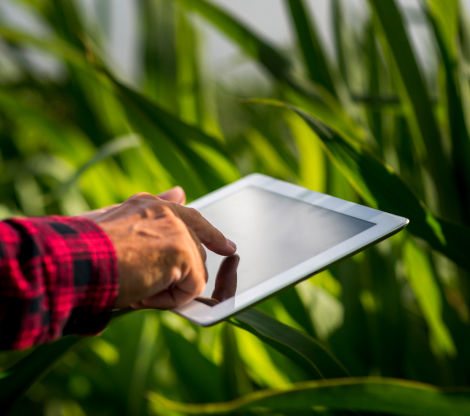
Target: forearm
<point x="58" y="276"/>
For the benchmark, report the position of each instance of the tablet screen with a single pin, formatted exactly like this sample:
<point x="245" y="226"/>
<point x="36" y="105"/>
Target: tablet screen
<point x="273" y="233"/>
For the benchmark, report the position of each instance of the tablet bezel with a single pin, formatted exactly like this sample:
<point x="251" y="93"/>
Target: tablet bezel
<point x="386" y="225"/>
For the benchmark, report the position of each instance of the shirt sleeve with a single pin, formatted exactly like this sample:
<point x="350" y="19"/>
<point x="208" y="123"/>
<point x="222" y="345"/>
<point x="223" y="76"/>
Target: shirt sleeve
<point x="58" y="276"/>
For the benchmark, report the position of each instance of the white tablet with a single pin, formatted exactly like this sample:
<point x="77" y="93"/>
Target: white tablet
<point x="284" y="234"/>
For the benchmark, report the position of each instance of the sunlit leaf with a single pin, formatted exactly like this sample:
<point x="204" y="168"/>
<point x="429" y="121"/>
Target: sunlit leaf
<point x="319" y="100"/>
<point x="50" y="44"/>
<point x="310" y="354"/>
<point x="258" y="362"/>
<point x="111" y="148"/>
<point x="413" y="92"/>
<point x="429" y="297"/>
<point x="444" y="28"/>
<point x="192" y="367"/>
<point x="368" y="394"/>
<point x="234" y="376"/>
<point x="166" y="133"/>
<point x="312" y="163"/>
<point x="311" y="48"/>
<point x="253" y="45"/>
<point x="16" y="380"/>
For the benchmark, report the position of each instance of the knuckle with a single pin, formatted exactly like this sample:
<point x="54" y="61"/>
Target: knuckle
<point x="141" y="195"/>
<point x="193" y="213"/>
<point x="138" y="199"/>
<point x="173" y="221"/>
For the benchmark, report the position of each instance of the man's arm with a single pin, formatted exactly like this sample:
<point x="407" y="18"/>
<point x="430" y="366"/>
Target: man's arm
<point x="58" y="276"/>
<point x="62" y="275"/>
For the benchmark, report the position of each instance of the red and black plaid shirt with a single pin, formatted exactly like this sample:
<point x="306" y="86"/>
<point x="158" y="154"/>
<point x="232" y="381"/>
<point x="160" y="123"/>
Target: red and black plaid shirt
<point x="58" y="276"/>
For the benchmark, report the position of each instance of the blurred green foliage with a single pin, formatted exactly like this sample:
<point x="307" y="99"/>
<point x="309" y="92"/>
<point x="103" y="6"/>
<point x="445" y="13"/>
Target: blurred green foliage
<point x="375" y="125"/>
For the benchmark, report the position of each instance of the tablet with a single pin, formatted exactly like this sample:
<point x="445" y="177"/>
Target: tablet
<point x="284" y="234"/>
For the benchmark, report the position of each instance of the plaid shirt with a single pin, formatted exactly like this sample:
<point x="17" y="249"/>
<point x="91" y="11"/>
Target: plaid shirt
<point x="58" y="276"/>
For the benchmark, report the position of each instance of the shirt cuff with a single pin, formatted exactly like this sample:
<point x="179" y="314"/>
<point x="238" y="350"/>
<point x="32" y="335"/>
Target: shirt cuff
<point x="80" y="274"/>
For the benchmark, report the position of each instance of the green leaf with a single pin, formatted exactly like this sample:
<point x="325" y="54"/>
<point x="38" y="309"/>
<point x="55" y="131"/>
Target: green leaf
<point x="374" y="87"/>
<point x="268" y="156"/>
<point x="310" y="46"/>
<point x="66" y="21"/>
<point x="259" y="362"/>
<point x="446" y="13"/>
<point x="413" y="92"/>
<point x="235" y="379"/>
<point x="144" y="358"/>
<point x="444" y="28"/>
<point x="312" y="356"/>
<point x="16" y="380"/>
<point x="277" y="64"/>
<point x="49" y="44"/>
<point x="111" y="148"/>
<point x="165" y="133"/>
<point x="297" y="309"/>
<point x="196" y="167"/>
<point x="339" y="38"/>
<point x="382" y="188"/>
<point x="159" y="44"/>
<point x="268" y="125"/>
<point x="428" y="294"/>
<point x="369" y="394"/>
<point x="199" y="377"/>
<point x="190" y="100"/>
<point x="312" y="172"/>
<point x="66" y="142"/>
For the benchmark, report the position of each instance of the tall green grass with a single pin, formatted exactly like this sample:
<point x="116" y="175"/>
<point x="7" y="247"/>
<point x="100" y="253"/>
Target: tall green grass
<point x="385" y="332"/>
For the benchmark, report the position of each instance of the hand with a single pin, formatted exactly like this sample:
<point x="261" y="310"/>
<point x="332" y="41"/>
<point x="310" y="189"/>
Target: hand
<point x="159" y="250"/>
<point x="175" y="195"/>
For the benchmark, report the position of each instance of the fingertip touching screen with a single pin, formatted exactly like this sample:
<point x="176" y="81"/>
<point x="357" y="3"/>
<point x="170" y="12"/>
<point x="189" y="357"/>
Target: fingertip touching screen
<point x="273" y="233"/>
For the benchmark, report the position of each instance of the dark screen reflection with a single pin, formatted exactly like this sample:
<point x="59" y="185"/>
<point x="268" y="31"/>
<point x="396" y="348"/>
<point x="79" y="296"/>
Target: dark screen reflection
<point x="273" y="233"/>
<point x="225" y="281"/>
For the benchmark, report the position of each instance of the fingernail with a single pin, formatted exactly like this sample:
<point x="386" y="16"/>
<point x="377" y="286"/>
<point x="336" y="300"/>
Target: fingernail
<point x="231" y="244"/>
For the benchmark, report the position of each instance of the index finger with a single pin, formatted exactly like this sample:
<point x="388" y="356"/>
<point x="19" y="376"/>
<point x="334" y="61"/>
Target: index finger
<point x="210" y="236"/>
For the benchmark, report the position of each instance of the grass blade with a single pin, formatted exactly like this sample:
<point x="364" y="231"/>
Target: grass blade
<point x="429" y="297"/>
<point x="369" y="394"/>
<point x="277" y="64"/>
<point x="235" y="380"/>
<point x="319" y="101"/>
<point x="445" y="32"/>
<point x="49" y="44"/>
<point x="190" y="100"/>
<point x="310" y="46"/>
<point x="204" y="156"/>
<point x="159" y="43"/>
<point x="304" y="350"/>
<point x="16" y="380"/>
<point x="413" y="92"/>
<point x="338" y="27"/>
<point x="192" y="367"/>
<point x="111" y="148"/>
<point x="446" y="15"/>
<point x="312" y="159"/>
